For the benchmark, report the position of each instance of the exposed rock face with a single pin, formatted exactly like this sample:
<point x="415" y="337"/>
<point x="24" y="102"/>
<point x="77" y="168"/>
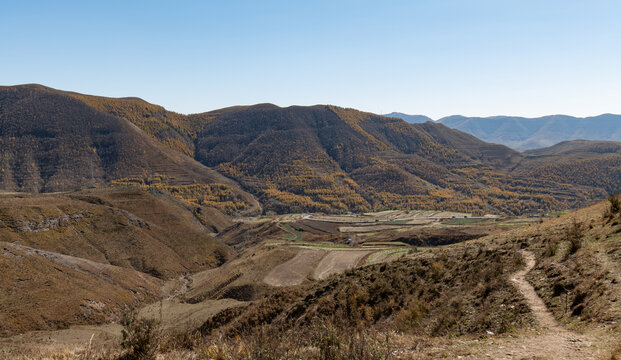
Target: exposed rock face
<point x="45" y="224"/>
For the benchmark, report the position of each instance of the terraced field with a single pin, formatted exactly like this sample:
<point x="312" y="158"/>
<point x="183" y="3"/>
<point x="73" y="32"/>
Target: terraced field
<point x="317" y="262"/>
<point x="338" y="261"/>
<point x="296" y="270"/>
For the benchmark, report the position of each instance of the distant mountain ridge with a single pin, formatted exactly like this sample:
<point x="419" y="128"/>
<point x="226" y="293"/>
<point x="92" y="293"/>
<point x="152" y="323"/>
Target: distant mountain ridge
<point x="522" y="133"/>
<point x="413" y="119"/>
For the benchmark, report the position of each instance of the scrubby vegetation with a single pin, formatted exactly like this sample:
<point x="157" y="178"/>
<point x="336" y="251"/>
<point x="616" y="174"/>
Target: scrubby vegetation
<point x="219" y="196"/>
<point x="320" y="341"/>
<point x="170" y="128"/>
<point x="460" y="296"/>
<point x="603" y="173"/>
<point x="140" y="338"/>
<point x="614" y="208"/>
<point x="331" y="159"/>
<point x="58" y="141"/>
<point x="458" y="292"/>
<point x="577" y="265"/>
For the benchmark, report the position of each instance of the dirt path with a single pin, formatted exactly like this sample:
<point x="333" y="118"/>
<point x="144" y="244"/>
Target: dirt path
<point x="550" y="341"/>
<point x="539" y="309"/>
<point x="555" y="342"/>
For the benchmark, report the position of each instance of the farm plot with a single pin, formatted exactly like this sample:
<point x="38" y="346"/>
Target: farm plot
<point x="366" y="229"/>
<point x="338" y="261"/>
<point x="178" y="315"/>
<point x="386" y="255"/>
<point x="296" y="270"/>
<point x="293" y="234"/>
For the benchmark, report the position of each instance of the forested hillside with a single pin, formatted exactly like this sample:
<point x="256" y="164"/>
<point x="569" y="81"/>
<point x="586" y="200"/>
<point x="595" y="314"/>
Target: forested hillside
<point x="296" y="159"/>
<point x="53" y="141"/>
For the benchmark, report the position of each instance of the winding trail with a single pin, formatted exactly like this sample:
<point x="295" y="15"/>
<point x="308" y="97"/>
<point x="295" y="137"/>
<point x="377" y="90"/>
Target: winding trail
<point x="540" y="311"/>
<point x="554" y="342"/>
<point x="547" y="341"/>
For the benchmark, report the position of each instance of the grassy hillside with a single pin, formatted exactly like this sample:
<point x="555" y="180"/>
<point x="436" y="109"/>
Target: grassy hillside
<point x="450" y="301"/>
<point x="154" y="234"/>
<point x="92" y="293"/>
<point x="458" y="300"/>
<point x="428" y="294"/>
<point x="578" y="269"/>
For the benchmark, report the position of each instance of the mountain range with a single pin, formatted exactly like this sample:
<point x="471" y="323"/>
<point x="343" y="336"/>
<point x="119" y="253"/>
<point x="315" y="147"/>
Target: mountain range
<point x="264" y="158"/>
<point x="529" y="133"/>
<point x="125" y="226"/>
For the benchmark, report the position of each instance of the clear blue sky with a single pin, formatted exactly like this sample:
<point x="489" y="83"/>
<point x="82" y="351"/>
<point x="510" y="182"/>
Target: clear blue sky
<point x="432" y="57"/>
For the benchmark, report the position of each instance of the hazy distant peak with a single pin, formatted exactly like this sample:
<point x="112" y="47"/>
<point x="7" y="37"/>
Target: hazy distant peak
<point x="523" y="133"/>
<point x="414" y="119"/>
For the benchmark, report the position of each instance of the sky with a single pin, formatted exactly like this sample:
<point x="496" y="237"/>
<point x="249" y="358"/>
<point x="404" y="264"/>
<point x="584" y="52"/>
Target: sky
<point x="431" y="57"/>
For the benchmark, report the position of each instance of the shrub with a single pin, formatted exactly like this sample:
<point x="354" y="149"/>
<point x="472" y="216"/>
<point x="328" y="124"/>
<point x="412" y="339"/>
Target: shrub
<point x="574" y="235"/>
<point x="615" y="204"/>
<point x="139" y="338"/>
<point x="614" y="208"/>
<point x="410" y="318"/>
<point x="550" y="249"/>
<point x="518" y="260"/>
<point x="437" y="270"/>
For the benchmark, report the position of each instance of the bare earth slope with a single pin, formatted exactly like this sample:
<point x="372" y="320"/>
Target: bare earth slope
<point x="46" y="290"/>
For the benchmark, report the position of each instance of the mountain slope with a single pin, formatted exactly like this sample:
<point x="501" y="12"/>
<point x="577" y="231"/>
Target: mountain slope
<point x="92" y="292"/>
<point x="489" y="153"/>
<point x="153" y="234"/>
<point x="578" y="162"/>
<point x="579" y="147"/>
<point x="295" y="159"/>
<point x="53" y="141"/>
<point x="325" y="158"/>
<point x="413" y="119"/>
